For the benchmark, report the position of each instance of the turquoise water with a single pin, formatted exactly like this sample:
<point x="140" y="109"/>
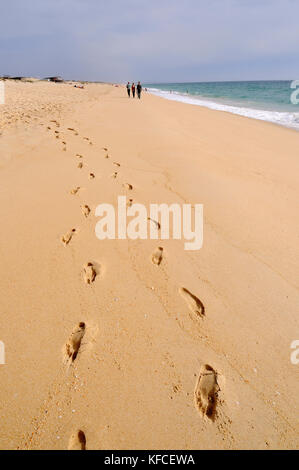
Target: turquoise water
<point x="266" y="100"/>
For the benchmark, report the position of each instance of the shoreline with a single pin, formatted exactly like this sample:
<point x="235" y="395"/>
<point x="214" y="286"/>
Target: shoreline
<point x="134" y="381"/>
<point x="280" y="118"/>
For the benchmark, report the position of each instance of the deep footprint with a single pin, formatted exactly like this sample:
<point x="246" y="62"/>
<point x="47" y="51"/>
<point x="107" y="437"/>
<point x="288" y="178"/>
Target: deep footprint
<point x="128" y="186"/>
<point x="206" y="391"/>
<point x="73" y="345"/>
<point x="66" y="238"/>
<point x="85" y="210"/>
<point x="89" y="273"/>
<point x="77" y="441"/>
<point x="157" y="256"/>
<point x="195" y="305"/>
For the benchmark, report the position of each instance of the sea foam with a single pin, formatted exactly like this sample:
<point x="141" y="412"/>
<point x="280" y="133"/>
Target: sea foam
<point x="286" y="119"/>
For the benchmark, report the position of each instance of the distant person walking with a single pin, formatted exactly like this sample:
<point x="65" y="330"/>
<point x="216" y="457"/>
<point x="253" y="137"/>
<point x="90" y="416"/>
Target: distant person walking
<point x="133" y="90"/>
<point x="139" y="88"/>
<point x="128" y="89"/>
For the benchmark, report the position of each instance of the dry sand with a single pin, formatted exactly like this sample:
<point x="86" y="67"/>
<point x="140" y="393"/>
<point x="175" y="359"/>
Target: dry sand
<point x="104" y="348"/>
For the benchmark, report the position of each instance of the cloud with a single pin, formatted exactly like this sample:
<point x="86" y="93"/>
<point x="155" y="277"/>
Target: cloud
<point x="160" y="40"/>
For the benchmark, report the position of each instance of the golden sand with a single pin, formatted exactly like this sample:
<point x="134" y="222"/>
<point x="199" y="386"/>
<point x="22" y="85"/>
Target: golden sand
<point x="125" y="344"/>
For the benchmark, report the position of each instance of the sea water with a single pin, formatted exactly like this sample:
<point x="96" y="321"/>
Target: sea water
<point x="265" y="100"/>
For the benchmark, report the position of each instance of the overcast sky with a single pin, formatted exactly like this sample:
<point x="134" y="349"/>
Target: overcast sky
<point x="152" y="40"/>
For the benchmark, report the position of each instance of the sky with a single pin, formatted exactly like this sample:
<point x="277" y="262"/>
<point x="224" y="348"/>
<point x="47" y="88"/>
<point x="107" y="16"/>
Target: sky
<point x="153" y="41"/>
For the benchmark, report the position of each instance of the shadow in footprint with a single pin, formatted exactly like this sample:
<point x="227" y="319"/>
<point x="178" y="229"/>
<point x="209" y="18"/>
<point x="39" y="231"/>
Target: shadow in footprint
<point x="75" y="190"/>
<point x="77" y="441"/>
<point x="128" y="186"/>
<point x="85" y="210"/>
<point x="156" y="225"/>
<point x="66" y="238"/>
<point x="157" y="256"/>
<point x="206" y="392"/>
<point x="73" y="345"/>
<point x="194" y="304"/>
<point x="89" y="273"/>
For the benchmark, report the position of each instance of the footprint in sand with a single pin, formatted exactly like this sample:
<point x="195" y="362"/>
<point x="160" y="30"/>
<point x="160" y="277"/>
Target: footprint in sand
<point x="195" y="305"/>
<point x="128" y="186"/>
<point x="77" y="441"/>
<point x="105" y="148"/>
<point x="68" y="236"/>
<point x="157" y="256"/>
<point x="85" y="138"/>
<point x="206" y="391"/>
<point x="85" y="210"/>
<point x="89" y="273"/>
<point x="114" y="175"/>
<point x="129" y="202"/>
<point x="75" y="190"/>
<point x="91" y="176"/>
<point x="78" y="155"/>
<point x="154" y="223"/>
<point x="80" y="165"/>
<point x="116" y="164"/>
<point x="74" y="342"/>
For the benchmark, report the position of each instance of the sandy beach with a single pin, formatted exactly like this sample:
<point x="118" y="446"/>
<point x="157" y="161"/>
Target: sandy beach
<point x="102" y="338"/>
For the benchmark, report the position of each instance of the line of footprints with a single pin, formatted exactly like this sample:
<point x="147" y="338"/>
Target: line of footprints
<point x="207" y="388"/>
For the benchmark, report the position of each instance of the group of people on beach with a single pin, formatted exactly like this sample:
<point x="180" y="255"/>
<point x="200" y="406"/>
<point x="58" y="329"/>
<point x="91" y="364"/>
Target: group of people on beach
<point x="133" y="89"/>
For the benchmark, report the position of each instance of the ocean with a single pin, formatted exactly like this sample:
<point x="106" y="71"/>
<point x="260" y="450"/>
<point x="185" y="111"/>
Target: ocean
<point x="265" y="100"/>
